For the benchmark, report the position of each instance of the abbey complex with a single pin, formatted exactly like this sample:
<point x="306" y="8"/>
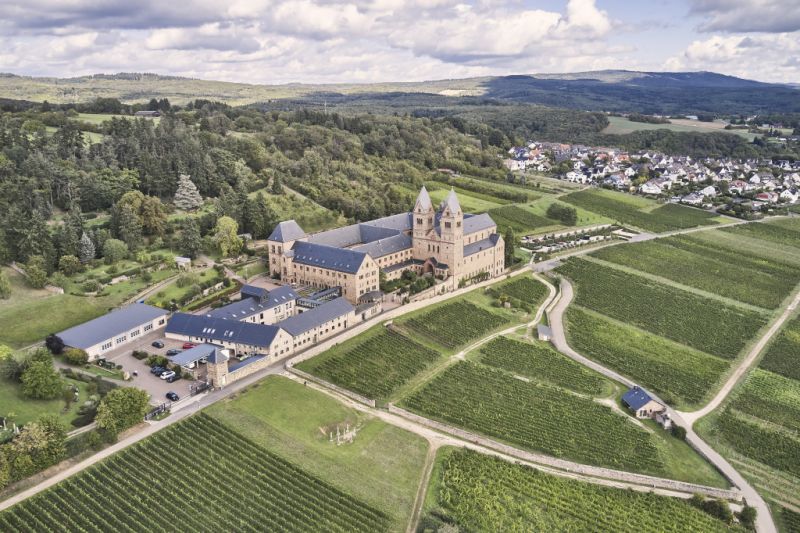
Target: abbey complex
<point x="444" y="242"/>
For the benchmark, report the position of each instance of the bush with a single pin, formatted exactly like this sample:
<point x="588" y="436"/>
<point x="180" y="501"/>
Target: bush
<point x="679" y="432"/>
<point x="563" y="213"/>
<point x="90" y="286"/>
<point x="139" y="354"/>
<point x="76" y="356"/>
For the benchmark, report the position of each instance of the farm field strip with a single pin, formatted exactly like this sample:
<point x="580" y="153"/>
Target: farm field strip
<point x="716" y="329"/>
<point x="783" y="354"/>
<point x="278" y="494"/>
<point x="482" y="493"/>
<point x="525" y="291"/>
<point x="736" y="276"/>
<point x="539" y="361"/>
<point x="520" y="220"/>
<point x="783" y="235"/>
<point x="535" y="416"/>
<point x="770" y="397"/>
<point x="680" y="375"/>
<point x="659" y="219"/>
<point x="375" y="367"/>
<point x="455" y="324"/>
<point x="747" y="246"/>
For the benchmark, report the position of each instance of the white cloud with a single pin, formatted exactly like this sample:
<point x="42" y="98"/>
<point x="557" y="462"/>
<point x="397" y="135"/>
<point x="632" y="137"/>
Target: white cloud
<point x="779" y="16"/>
<point x="757" y="56"/>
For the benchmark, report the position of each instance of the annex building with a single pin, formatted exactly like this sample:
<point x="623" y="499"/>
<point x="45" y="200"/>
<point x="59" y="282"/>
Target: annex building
<point x="442" y="241"/>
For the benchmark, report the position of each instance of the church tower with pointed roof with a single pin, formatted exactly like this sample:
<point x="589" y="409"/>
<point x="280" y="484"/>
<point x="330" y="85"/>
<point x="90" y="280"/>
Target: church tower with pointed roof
<point x="423" y="215"/>
<point x="451" y="223"/>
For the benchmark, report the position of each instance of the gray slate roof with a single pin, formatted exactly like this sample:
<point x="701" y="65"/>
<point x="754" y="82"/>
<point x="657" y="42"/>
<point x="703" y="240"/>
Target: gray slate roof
<point x="249" y="306"/>
<point x="475" y="223"/>
<point x="220" y="329"/>
<point x="483" y="244"/>
<point x="288" y="230"/>
<point x="386" y="246"/>
<point x="423" y="200"/>
<point x="191" y="355"/>
<point x="320" y="255"/>
<point x="451" y="202"/>
<point x="110" y="326"/>
<point x="312" y="318"/>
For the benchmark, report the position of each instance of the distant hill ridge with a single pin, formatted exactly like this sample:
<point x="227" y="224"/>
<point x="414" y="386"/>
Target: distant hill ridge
<point x="606" y="90"/>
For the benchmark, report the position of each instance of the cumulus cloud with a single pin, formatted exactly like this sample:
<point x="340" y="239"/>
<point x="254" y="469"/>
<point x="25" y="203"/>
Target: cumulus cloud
<point x="765" y="56"/>
<point x="778" y="16"/>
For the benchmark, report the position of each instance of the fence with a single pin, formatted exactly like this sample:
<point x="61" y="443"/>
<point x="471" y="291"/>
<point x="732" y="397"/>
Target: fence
<point x="592" y="471"/>
<point x="163" y="408"/>
<point x="329" y="385"/>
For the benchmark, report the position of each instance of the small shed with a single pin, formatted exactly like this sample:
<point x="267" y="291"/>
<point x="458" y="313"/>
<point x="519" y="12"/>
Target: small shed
<point x="183" y="263"/>
<point x="641" y="403"/>
<point x="544" y="332"/>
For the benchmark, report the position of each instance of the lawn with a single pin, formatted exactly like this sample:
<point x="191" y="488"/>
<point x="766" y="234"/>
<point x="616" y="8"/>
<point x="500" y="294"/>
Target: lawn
<point x="172" y="292"/>
<point x="310" y="215"/>
<point x="26" y="410"/>
<point x="552" y="420"/>
<point x="382" y="466"/>
<point x="682" y="316"/>
<point x="744" y="277"/>
<point x="585" y="218"/>
<point x="482" y="493"/>
<point x="639" y="212"/>
<point x="252" y="488"/>
<point x="681" y="376"/>
<point x="374" y="364"/>
<point x="30" y="315"/>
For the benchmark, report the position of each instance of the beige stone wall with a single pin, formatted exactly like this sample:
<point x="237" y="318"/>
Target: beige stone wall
<point x="323" y="331"/>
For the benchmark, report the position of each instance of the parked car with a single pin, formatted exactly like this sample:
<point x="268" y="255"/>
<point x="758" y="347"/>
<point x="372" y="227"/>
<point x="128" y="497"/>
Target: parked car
<point x="157" y="370"/>
<point x="167" y="374"/>
<point x="188" y="345"/>
<point x="173" y="397"/>
<point x="173" y="379"/>
<point x="173" y="351"/>
<point x="157" y="344"/>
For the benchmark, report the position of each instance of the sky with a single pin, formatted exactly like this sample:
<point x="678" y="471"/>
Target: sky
<point x="332" y="41"/>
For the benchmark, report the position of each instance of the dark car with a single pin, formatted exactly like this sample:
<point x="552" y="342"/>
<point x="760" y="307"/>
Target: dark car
<point x="173" y="397"/>
<point x="157" y="370"/>
<point x="173" y="351"/>
<point x="157" y="344"/>
<point x="173" y="379"/>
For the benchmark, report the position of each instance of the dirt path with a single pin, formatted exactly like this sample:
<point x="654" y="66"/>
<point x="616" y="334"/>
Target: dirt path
<point x="422" y="491"/>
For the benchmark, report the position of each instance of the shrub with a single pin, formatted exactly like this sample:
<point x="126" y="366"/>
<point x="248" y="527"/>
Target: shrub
<point x="678" y="432"/>
<point x="139" y="354"/>
<point x="90" y="286"/>
<point x="76" y="356"/>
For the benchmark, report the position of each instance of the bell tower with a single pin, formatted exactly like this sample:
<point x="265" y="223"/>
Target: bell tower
<point x="452" y="229"/>
<point x="423" y="215"/>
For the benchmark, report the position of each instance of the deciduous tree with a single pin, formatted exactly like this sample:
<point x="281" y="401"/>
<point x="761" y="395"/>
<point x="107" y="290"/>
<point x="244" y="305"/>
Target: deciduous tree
<point x="226" y="236"/>
<point x="41" y="381"/>
<point x="121" y="409"/>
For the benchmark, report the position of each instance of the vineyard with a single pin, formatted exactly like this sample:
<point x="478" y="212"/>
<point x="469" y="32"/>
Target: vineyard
<point x="535" y="416"/>
<point x="523" y="290"/>
<point x="541" y="362"/>
<point x="483" y="493"/>
<point x="375" y="367"/>
<point x="770" y="397"/>
<point x="223" y="481"/>
<point x="684" y="317"/>
<point x="783" y="235"/>
<point x="664" y="218"/>
<point x="749" y="246"/>
<point x="791" y="520"/>
<point x="769" y="445"/>
<point x="455" y="324"/>
<point x="749" y="279"/>
<point x="678" y="374"/>
<point x="783" y="355"/>
<point x="521" y="220"/>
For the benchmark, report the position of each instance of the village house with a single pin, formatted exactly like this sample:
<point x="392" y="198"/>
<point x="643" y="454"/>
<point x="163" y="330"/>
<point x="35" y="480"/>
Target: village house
<point x="641" y="403"/>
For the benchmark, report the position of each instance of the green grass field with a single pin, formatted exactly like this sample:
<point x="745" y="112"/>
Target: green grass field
<point x="374" y="364"/>
<point x="310" y="215"/>
<point x="521" y="220"/>
<point x="680" y="375"/>
<point x="172" y="291"/>
<point x="26" y="410"/>
<point x="382" y="466"/>
<point x="621" y="125"/>
<point x="714" y="328"/>
<point x="29" y="315"/>
<point x="481" y="493"/>
<point x="470" y="202"/>
<point x="639" y="212"/>
<point x="744" y="277"/>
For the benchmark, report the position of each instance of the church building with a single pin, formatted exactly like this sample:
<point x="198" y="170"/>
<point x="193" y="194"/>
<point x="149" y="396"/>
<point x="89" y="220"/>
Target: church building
<point x="443" y="242"/>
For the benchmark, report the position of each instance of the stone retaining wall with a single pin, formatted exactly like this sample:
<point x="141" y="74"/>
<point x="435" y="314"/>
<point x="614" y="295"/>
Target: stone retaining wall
<point x="329" y="385"/>
<point x="593" y="471"/>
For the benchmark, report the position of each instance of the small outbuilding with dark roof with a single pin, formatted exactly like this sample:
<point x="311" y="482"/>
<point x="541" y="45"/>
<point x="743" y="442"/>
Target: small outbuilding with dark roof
<point x="641" y="403"/>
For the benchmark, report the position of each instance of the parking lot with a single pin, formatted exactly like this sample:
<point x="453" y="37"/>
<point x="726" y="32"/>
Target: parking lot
<point x="157" y="387"/>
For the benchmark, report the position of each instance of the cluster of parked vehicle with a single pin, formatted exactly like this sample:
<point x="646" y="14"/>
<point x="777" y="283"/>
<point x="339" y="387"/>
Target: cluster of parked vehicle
<point x="164" y="373"/>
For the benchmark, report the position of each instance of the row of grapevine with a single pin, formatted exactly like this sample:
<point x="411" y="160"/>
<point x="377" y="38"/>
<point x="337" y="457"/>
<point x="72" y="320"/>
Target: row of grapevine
<point x="664" y="218"/>
<point x="219" y="481"/>
<point x="678" y="374"/>
<point x="535" y="416"/>
<point x="482" y="493"/>
<point x="784" y="235"/>
<point x="749" y="279"/>
<point x="455" y="324"/>
<point x="783" y="355"/>
<point x="375" y="367"/>
<point x="770" y="397"/>
<point x="541" y="362"/>
<point x="682" y="316"/>
<point x="519" y="219"/>
<point x="524" y="290"/>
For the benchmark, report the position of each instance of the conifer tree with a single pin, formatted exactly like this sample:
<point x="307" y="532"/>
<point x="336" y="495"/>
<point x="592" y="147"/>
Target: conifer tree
<point x="187" y="197"/>
<point x="86" y="250"/>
